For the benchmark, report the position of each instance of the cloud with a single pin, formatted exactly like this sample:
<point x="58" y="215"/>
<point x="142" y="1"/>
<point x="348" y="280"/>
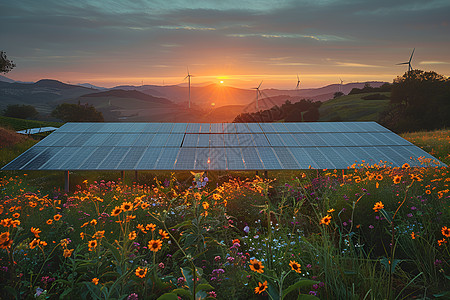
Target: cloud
<point x="357" y="65"/>
<point x="434" y="63"/>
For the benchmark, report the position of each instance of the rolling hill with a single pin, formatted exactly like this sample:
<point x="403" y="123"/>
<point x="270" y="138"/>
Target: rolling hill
<point x="352" y="108"/>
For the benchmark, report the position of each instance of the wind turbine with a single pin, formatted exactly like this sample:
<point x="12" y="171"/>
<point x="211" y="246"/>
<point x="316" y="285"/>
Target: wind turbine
<point x="409" y="61"/>
<point x="257" y="95"/>
<point x="340" y="85"/>
<point x="298" y="83"/>
<point x="188" y="76"/>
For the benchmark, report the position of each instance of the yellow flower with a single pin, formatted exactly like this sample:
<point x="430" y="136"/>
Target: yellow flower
<point x="92" y="245"/>
<point x="379" y="177"/>
<point x="405" y="166"/>
<point x="205" y="205"/>
<point x="397" y="179"/>
<point x="443" y="241"/>
<point x="43" y="243"/>
<point x="4" y="237"/>
<point x="295" y="266"/>
<point x="6" y="243"/>
<point x="330" y="210"/>
<point x="99" y="234"/>
<point x="16" y="215"/>
<point x="216" y="197"/>
<point x="82" y="235"/>
<point x="150" y="226"/>
<point x="127" y="206"/>
<point x="326" y="220"/>
<point x="163" y="234"/>
<point x="445" y="231"/>
<point x="141" y="272"/>
<point x="132" y="235"/>
<point x="413" y="235"/>
<point x="379" y="205"/>
<point x="155" y="245"/>
<point x="197" y="196"/>
<point x="95" y="280"/>
<point x="49" y="222"/>
<point x="57" y="217"/>
<point x="34" y="243"/>
<point x="35" y="231"/>
<point x="141" y="227"/>
<point x="93" y="222"/>
<point x="116" y="211"/>
<point x="68" y="252"/>
<point x="256" y="265"/>
<point x="144" y="205"/>
<point x="261" y="287"/>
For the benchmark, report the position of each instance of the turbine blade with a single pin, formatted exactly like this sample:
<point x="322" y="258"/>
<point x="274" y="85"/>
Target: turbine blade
<point x="260" y="84"/>
<point x="412" y="55"/>
<point x="405" y="63"/>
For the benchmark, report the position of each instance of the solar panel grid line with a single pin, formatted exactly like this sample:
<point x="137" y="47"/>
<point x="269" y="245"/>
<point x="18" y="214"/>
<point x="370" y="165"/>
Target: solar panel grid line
<point x="205" y="128"/>
<point x="242" y="128"/>
<point x="254" y="128"/>
<point x="251" y="159"/>
<point x="269" y="158"/>
<point x="130" y="161"/>
<point x="149" y="158"/>
<point x="50" y="139"/>
<point x="167" y="158"/>
<point x="96" y="158"/>
<point x="216" y="128"/>
<point x="185" y="159"/>
<point x="235" y="160"/>
<point x="201" y="159"/>
<point x="78" y="158"/>
<point x="38" y="160"/>
<point x="274" y="139"/>
<point x="217" y="159"/>
<point x="113" y="159"/>
<point x="59" y="158"/>
<point x="286" y="159"/>
<point x="318" y="160"/>
<point x="144" y="139"/>
<point x="260" y="140"/>
<point x="334" y="156"/>
<point x="19" y="162"/>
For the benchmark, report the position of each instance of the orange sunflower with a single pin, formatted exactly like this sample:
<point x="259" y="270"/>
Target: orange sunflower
<point x="132" y="235"/>
<point x="256" y="265"/>
<point x="68" y="252"/>
<point x="295" y="266"/>
<point x="16" y="215"/>
<point x="155" y="245"/>
<point x="141" y="272"/>
<point x="150" y="226"/>
<point x="163" y="234"/>
<point x="116" y="211"/>
<point x="261" y="287"/>
<point x="35" y="231"/>
<point x="95" y="280"/>
<point x="379" y="205"/>
<point x="6" y="243"/>
<point x="57" y="217"/>
<point x="397" y="179"/>
<point x="379" y="177"/>
<point x="92" y="245"/>
<point x="49" y="222"/>
<point x="326" y="220"/>
<point x="34" y="243"/>
<point x="127" y="206"/>
<point x="445" y="231"/>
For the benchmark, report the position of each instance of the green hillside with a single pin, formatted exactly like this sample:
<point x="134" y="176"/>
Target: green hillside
<point x="20" y="124"/>
<point x="352" y="108"/>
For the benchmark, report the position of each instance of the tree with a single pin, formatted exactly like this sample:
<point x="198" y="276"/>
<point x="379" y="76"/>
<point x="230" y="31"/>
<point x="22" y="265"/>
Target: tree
<point x="6" y="65"/>
<point x="419" y="100"/>
<point x="77" y="113"/>
<point x="20" y="111"/>
<point x="338" y="94"/>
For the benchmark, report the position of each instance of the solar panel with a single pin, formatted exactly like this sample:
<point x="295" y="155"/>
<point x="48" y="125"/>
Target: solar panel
<point x="216" y="146"/>
<point x="132" y="158"/>
<point x="235" y="161"/>
<point x="217" y="159"/>
<point x="95" y="158"/>
<point x="149" y="158"/>
<point x="113" y="159"/>
<point x="190" y="140"/>
<point x="185" y="159"/>
<point x="167" y="159"/>
<point x="269" y="159"/>
<point x="286" y="159"/>
<point x="251" y="159"/>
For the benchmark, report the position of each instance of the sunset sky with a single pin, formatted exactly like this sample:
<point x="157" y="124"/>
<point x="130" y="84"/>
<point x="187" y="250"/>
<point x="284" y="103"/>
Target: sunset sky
<point x="240" y="42"/>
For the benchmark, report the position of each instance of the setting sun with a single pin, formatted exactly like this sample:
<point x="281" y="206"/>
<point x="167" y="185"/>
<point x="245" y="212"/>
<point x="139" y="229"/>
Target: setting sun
<point x="221" y="82"/>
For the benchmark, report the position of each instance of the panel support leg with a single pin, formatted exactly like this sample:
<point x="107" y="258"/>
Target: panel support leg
<point x="122" y="175"/>
<point x="136" y="176"/>
<point x="265" y="174"/>
<point x="66" y="181"/>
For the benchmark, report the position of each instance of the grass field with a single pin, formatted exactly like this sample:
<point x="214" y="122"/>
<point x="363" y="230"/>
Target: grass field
<point x="352" y="108"/>
<point x="20" y="124"/>
<point x="437" y="142"/>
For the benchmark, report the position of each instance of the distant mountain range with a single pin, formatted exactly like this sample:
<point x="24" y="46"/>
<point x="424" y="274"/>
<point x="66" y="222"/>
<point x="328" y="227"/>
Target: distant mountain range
<point x="152" y="103"/>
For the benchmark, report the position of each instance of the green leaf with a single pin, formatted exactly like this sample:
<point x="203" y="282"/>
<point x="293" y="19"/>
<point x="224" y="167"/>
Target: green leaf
<point x="387" y="214"/>
<point x="65" y="293"/>
<point x="113" y="250"/>
<point x="442" y="294"/>
<point x="187" y="274"/>
<point x="272" y="291"/>
<point x="297" y="285"/>
<point x="182" y="292"/>
<point x="385" y="262"/>
<point x="168" y="296"/>
<point x="204" y="286"/>
<point x="11" y="291"/>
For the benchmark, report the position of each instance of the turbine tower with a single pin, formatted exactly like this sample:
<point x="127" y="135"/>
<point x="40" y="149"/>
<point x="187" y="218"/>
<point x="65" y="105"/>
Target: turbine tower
<point x="340" y="85"/>
<point x="409" y="61"/>
<point x="188" y="76"/>
<point x="257" y="95"/>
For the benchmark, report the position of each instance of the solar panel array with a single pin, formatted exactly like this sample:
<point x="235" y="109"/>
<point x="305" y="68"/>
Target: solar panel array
<point x="216" y="146"/>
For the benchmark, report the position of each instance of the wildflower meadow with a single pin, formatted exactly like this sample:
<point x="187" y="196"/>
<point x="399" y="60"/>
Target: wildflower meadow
<point x="369" y="232"/>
